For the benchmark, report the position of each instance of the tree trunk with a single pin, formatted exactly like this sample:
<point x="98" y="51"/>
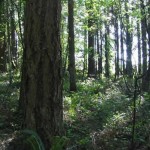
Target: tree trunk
<point x="2" y="56"/>
<point x="85" y="54"/>
<point x="2" y="39"/>
<point x="145" y="82"/>
<point x="91" y="51"/>
<point x="121" y="47"/>
<point x="8" y="41"/>
<point x="91" y="60"/>
<point x="128" y="43"/>
<point x="117" y="47"/>
<point x="13" y="46"/>
<point x="107" y="52"/>
<point x="41" y="85"/>
<point x="148" y="31"/>
<point x="100" y="56"/>
<point x="72" y="71"/>
<point x="139" y="47"/>
<point x="98" y="49"/>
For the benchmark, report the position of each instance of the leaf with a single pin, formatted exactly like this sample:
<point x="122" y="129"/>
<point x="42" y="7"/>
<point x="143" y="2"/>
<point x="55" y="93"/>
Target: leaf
<point x="34" y="136"/>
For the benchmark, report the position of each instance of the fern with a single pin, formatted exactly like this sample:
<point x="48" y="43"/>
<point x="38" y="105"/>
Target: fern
<point x="58" y="142"/>
<point x="34" y="140"/>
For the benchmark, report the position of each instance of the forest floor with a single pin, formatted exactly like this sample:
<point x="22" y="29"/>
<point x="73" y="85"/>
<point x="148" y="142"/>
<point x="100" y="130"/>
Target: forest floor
<point x="96" y="117"/>
<point x="99" y="116"/>
<point x="8" y="103"/>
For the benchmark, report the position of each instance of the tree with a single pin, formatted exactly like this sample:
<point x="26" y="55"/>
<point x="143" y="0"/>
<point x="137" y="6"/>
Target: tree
<point x="85" y="53"/>
<point x="129" y="39"/>
<point x="144" y="47"/>
<point x="71" y="46"/>
<point x="100" y="55"/>
<point x="41" y="84"/>
<point x="13" y="45"/>
<point x="121" y="46"/>
<point x="148" y="31"/>
<point x="99" y="50"/>
<point x="2" y="38"/>
<point x="139" y="47"/>
<point x="107" y="52"/>
<point x="107" y="47"/>
<point x="91" y="32"/>
<point x="116" y="26"/>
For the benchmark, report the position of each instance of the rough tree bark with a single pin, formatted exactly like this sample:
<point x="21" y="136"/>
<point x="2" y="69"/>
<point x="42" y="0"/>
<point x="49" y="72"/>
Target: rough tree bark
<point x="145" y="83"/>
<point x="121" y="46"/>
<point x="100" y="56"/>
<point x="41" y="85"/>
<point x="139" y="47"/>
<point x="117" y="47"/>
<point x="72" y="70"/>
<point x="13" y="45"/>
<point x="128" y="42"/>
<point x="2" y="38"/>
<point x="91" y="53"/>
<point x="107" y="51"/>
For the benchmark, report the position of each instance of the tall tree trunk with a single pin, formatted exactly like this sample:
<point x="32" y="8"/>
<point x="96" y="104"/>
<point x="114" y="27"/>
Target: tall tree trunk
<point x="8" y="40"/>
<point x="2" y="56"/>
<point x="117" y="47"/>
<point x="139" y="47"/>
<point x="145" y="83"/>
<point x="100" y="56"/>
<point x="20" y="13"/>
<point x="41" y="85"/>
<point x="2" y="39"/>
<point x="91" y="60"/>
<point x="13" y="46"/>
<point x="98" y="49"/>
<point x="148" y="31"/>
<point x="121" y="47"/>
<point x="128" y="42"/>
<point x="91" y="53"/>
<point x="85" y="53"/>
<point x="107" y="51"/>
<point x="122" y="57"/>
<point x="72" y="71"/>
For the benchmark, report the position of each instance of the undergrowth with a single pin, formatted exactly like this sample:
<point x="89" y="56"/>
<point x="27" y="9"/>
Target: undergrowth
<point x="98" y="116"/>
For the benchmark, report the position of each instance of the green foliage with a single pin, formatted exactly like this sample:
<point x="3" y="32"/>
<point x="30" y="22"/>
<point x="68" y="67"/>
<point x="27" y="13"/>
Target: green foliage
<point x="33" y="139"/>
<point x="101" y="111"/>
<point x="58" y="143"/>
<point x="9" y="94"/>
